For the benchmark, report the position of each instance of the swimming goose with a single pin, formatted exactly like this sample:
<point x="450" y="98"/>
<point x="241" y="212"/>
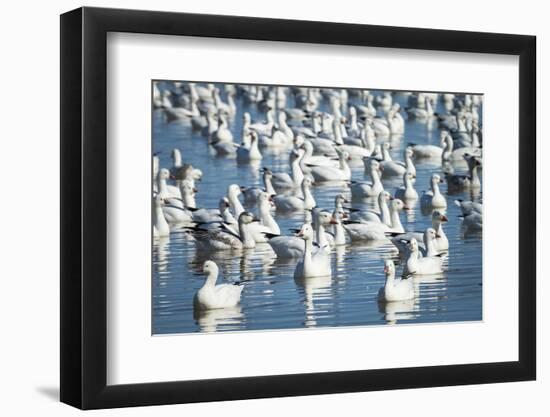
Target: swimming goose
<point x="313" y="263"/>
<point x="280" y="137"/>
<point x="267" y="224"/>
<point x="421" y="114"/>
<point x="309" y="159"/>
<point x="339" y="233"/>
<point x="457" y="182"/>
<point x="223" y="216"/>
<point x="249" y="153"/>
<point x="417" y="265"/>
<point x="286" y="247"/>
<point x="453" y="153"/>
<point x="251" y="193"/>
<point x="472" y="222"/>
<point x="261" y="128"/>
<point x="224" y="238"/>
<point x="431" y="151"/>
<point x="433" y="197"/>
<point x="167" y="191"/>
<point x="391" y="168"/>
<point x="286" y="203"/>
<point x="285" y="181"/>
<point x="181" y="113"/>
<point x="407" y="193"/>
<point x="376" y="231"/>
<point x="369" y="215"/>
<point x="233" y="193"/>
<point x="440" y="244"/>
<point x="212" y="296"/>
<point x="222" y="133"/>
<point x="160" y="225"/>
<point x="395" y="290"/>
<point x="327" y="173"/>
<point x="361" y="190"/>
<point x="468" y="207"/>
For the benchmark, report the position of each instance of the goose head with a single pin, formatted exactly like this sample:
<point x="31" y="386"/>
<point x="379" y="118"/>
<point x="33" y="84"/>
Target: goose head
<point x="307" y="183"/>
<point x="210" y="268"/>
<point x="436" y="180"/>
<point x="389" y="267"/>
<point x="384" y="197"/>
<point x="396" y="205"/>
<point x="264" y="198"/>
<point x="409" y="152"/>
<point x="430" y="235"/>
<point x="352" y="112"/>
<point x="164" y="174"/>
<point x="246" y="218"/>
<point x="340" y="199"/>
<point x="268" y="174"/>
<point x="306" y="232"/>
<point x="438" y="217"/>
<point x="324" y="218"/>
<point x="234" y="191"/>
<point x="246" y="118"/>
<point x="299" y="141"/>
<point x="175" y="155"/>
<point x="413" y="245"/>
<point x="223" y="204"/>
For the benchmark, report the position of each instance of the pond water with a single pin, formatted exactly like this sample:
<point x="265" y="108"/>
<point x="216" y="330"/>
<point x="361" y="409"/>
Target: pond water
<point x="272" y="298"/>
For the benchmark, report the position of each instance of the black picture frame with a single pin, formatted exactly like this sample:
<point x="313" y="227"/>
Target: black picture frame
<point x="84" y="207"/>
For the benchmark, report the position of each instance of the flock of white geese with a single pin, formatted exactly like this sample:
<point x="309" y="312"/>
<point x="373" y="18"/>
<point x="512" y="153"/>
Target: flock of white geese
<point x="320" y="147"/>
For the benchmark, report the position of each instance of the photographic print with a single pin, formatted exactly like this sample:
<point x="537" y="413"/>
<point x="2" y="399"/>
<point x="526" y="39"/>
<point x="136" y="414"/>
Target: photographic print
<point x="291" y="207"/>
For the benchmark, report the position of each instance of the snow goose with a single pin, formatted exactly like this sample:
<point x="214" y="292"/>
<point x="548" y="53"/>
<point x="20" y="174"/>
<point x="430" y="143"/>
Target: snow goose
<point x="370" y="215"/>
<point x="433" y="198"/>
<point x="286" y="247"/>
<point x="327" y="173"/>
<point x="431" y="151"/>
<point x="313" y="160"/>
<point x="160" y="225"/>
<point x="468" y="207"/>
<point x="281" y="136"/>
<point x="212" y="296"/>
<point x="222" y="133"/>
<point x="472" y="222"/>
<point x="395" y="290"/>
<point x="376" y="231"/>
<point x="246" y="154"/>
<point x="407" y="193"/>
<point x="222" y="219"/>
<point x="167" y="191"/>
<point x="261" y="128"/>
<point x="361" y="190"/>
<point x="339" y="233"/>
<point x="391" y="168"/>
<point x="452" y="153"/>
<point x="233" y="193"/>
<point x="181" y="113"/>
<point x="313" y="263"/>
<point x="287" y="203"/>
<point x="417" y="265"/>
<point x="285" y="181"/>
<point x="421" y="114"/>
<point x="224" y="238"/>
<point x="267" y="224"/>
<point x="440" y="244"/>
<point x="457" y="182"/>
<point x="251" y="193"/>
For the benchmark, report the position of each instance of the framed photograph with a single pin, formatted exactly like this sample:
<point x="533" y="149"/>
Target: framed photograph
<point x="257" y="208"/>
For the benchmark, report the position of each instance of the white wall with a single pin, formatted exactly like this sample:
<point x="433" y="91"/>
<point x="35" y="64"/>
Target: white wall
<point x="29" y="104"/>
